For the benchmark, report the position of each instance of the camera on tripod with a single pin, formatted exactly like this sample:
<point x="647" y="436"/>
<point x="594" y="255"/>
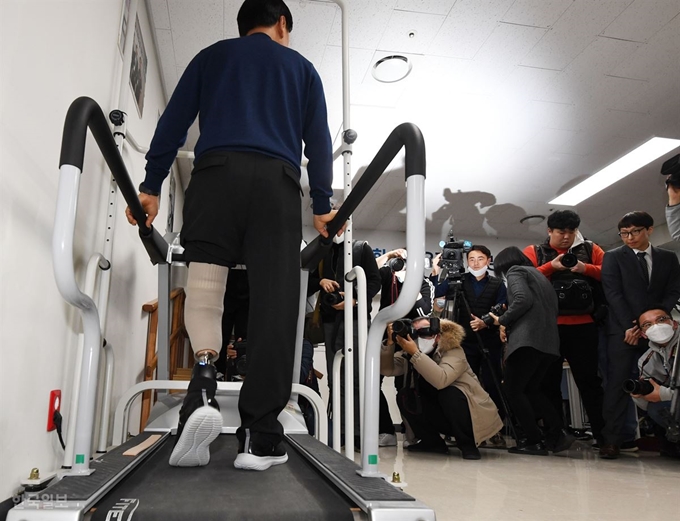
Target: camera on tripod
<point x="497" y="310"/>
<point x="239" y="363"/>
<point x="451" y="261"/>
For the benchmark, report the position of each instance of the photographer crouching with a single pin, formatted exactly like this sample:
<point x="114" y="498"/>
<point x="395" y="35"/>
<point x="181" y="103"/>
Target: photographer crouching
<point x="653" y="392"/>
<point x="441" y="394"/>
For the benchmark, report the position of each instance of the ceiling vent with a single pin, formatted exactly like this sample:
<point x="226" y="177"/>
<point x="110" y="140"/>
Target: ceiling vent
<point x="391" y="69"/>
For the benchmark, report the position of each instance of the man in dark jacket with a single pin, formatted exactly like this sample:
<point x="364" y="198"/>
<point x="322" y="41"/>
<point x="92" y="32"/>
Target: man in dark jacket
<point x="482" y="291"/>
<point x="634" y="276"/>
<point x="328" y="280"/>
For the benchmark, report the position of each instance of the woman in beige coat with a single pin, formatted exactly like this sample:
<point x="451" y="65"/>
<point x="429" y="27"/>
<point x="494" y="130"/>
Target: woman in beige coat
<point x="441" y="395"/>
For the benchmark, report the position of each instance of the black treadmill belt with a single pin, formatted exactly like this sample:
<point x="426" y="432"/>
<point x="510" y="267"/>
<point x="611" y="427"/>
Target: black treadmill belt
<point x="218" y="491"/>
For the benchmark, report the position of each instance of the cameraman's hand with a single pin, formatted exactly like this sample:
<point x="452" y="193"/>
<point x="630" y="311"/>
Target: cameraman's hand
<point x="389" y="335"/>
<point x="673" y="193"/>
<point x="579" y="268"/>
<point x="341" y="305"/>
<point x="477" y="323"/>
<point x="399" y="252"/>
<point x="435" y="264"/>
<point x="556" y="263"/>
<point x="328" y="285"/>
<point x="407" y="344"/>
<point x="504" y="334"/>
<point x="231" y="350"/>
<point x="654" y="396"/>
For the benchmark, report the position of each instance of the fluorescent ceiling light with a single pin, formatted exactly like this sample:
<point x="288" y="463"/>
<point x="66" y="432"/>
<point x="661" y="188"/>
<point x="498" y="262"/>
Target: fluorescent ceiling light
<point x="631" y="162"/>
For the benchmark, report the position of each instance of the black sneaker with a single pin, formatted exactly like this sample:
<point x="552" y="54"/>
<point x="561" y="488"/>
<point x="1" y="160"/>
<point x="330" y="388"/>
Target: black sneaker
<point x="429" y="446"/>
<point x="534" y="449"/>
<point x="200" y="421"/>
<point x="255" y="457"/>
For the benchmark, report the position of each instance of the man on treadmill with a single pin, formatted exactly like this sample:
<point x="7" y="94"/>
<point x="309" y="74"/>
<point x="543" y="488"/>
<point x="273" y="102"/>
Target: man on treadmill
<point x="258" y="101"/>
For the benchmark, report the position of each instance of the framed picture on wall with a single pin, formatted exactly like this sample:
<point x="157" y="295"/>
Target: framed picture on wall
<point x="124" y="26"/>
<point x="138" y="68"/>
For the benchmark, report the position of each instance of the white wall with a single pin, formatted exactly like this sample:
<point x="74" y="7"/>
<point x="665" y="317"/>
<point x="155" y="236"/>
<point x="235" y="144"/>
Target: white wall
<point x="52" y="53"/>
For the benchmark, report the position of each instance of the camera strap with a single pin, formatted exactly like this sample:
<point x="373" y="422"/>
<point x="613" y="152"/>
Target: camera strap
<point x="669" y="370"/>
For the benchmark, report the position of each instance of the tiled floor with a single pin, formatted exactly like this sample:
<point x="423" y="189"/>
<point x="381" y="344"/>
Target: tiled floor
<point x="575" y="485"/>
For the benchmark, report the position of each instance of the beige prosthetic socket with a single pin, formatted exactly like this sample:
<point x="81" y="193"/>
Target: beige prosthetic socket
<point x="204" y="306"/>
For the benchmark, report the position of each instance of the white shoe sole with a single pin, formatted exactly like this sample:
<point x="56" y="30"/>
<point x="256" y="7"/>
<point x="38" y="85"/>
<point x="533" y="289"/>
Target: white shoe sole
<point x="192" y="448"/>
<point x="251" y="462"/>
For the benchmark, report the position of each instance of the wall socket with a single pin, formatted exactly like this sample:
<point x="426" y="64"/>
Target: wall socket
<point x="55" y="405"/>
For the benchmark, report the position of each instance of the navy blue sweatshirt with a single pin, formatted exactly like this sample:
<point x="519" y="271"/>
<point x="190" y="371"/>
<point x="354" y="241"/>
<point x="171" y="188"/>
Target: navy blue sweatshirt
<point x="251" y="95"/>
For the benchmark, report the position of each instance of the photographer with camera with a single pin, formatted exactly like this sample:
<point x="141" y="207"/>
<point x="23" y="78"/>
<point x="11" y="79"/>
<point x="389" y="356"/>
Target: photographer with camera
<point x="328" y="280"/>
<point x="652" y="392"/>
<point x="483" y="293"/>
<point x="392" y="267"/>
<point x="441" y="394"/>
<point x="573" y="265"/>
<point x="671" y="169"/>
<point x="530" y="327"/>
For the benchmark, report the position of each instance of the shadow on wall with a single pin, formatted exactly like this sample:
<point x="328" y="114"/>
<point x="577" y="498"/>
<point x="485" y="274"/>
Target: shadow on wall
<point x="477" y="214"/>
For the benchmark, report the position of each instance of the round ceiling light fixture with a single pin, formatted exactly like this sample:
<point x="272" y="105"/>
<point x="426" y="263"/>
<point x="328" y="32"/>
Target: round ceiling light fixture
<point x="532" y="219"/>
<point x="391" y="69"/>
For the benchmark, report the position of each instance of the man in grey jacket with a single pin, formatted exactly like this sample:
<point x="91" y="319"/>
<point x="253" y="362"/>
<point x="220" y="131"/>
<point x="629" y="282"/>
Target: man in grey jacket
<point x="656" y="366"/>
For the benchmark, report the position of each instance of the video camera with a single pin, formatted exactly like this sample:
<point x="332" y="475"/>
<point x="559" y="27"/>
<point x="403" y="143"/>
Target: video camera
<point x="671" y="168"/>
<point x="452" y="257"/>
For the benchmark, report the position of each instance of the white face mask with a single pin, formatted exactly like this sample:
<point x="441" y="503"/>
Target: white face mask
<point x="660" y="333"/>
<point x="338" y="240"/>
<point x="479" y="272"/>
<point x="401" y="275"/>
<point x="426" y="345"/>
<point x="440" y="302"/>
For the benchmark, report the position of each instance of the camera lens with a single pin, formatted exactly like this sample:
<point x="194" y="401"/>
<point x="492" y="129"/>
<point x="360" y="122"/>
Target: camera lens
<point x="396" y="264"/>
<point x="638" y="387"/>
<point x="569" y="260"/>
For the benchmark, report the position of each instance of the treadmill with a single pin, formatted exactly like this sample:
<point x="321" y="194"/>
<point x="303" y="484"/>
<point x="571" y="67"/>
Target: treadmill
<point x="134" y="480"/>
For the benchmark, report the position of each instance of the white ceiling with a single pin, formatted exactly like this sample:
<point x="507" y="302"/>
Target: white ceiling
<point x="517" y="99"/>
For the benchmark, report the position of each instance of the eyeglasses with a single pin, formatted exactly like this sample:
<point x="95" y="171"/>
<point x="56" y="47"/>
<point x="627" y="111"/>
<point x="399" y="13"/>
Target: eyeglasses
<point x="633" y="233"/>
<point x="659" y="320"/>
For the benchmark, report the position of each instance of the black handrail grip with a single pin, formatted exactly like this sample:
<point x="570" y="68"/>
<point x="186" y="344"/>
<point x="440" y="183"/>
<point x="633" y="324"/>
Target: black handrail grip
<point x="84" y="112"/>
<point x="405" y="135"/>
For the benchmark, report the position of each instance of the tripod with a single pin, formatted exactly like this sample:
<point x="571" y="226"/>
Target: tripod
<point x="451" y="311"/>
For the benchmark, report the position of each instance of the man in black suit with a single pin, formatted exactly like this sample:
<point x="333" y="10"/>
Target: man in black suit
<point x="633" y="276"/>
